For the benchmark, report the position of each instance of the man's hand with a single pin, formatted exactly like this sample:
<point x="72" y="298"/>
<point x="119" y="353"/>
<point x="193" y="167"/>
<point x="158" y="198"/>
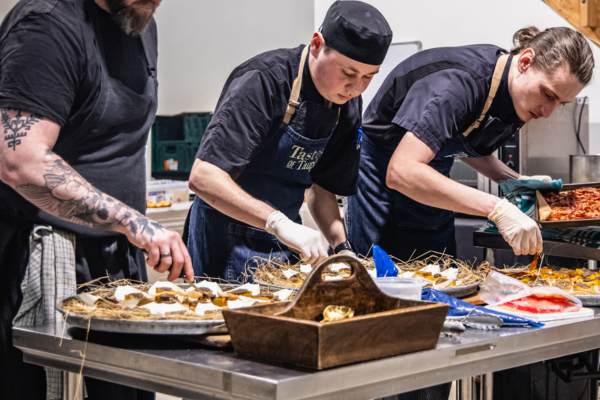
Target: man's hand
<point x="309" y="242"/>
<point x="30" y="167"/>
<point x="166" y="251"/>
<point x="520" y="232"/>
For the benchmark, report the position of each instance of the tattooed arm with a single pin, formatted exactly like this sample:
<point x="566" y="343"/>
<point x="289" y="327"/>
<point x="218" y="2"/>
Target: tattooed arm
<point x="28" y="165"/>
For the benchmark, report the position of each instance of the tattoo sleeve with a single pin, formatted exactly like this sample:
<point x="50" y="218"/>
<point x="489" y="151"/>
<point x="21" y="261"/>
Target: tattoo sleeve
<point x="68" y="195"/>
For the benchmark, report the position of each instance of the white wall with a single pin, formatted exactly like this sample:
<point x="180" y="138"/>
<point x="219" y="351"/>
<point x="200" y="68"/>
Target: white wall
<point x="200" y="42"/>
<point x="5" y="6"/>
<point x="457" y="22"/>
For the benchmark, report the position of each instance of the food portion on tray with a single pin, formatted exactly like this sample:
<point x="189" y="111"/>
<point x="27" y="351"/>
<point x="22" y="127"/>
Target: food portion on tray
<point x="163" y="300"/>
<point x="577" y="281"/>
<point x="439" y="271"/>
<point x="286" y="275"/>
<point x="443" y="272"/>
<point x="573" y="204"/>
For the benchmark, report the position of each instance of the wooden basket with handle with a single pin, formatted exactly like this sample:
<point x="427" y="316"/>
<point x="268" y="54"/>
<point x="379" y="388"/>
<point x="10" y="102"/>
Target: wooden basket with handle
<point x="291" y="332"/>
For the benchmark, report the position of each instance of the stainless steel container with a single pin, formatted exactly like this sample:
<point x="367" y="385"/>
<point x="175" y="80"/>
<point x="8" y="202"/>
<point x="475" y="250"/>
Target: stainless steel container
<point x="584" y="168"/>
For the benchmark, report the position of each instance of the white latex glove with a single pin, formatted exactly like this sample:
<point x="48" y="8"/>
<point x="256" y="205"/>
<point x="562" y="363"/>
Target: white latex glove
<point x="520" y="232"/>
<point x="309" y="242"/>
<point x="543" y="178"/>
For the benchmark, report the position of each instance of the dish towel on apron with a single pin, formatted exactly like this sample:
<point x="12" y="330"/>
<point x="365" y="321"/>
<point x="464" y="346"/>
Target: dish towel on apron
<point x="49" y="278"/>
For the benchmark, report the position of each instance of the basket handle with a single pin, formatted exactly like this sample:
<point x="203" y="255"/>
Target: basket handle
<point x="316" y="292"/>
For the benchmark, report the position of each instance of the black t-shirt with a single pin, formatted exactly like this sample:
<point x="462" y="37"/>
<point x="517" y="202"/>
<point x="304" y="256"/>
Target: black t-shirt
<point x="51" y="67"/>
<point x="251" y="108"/>
<point x="45" y="66"/>
<point x="437" y="94"/>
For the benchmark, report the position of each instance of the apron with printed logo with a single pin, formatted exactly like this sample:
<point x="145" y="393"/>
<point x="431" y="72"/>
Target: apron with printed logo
<point x="278" y="175"/>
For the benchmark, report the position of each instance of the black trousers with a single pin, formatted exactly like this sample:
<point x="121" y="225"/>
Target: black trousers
<point x="95" y="257"/>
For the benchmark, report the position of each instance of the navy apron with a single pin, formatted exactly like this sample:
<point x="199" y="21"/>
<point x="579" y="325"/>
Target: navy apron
<point x="400" y="225"/>
<point x="119" y="115"/>
<point x="280" y="173"/>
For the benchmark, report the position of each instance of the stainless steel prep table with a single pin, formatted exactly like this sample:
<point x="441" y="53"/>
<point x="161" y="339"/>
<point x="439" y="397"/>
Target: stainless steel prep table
<point x="179" y="370"/>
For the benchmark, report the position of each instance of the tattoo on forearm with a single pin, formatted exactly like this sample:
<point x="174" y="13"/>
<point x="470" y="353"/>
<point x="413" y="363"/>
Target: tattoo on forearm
<point x="68" y="195"/>
<point x="16" y="125"/>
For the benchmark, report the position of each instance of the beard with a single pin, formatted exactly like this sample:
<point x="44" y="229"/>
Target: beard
<point x="133" y="18"/>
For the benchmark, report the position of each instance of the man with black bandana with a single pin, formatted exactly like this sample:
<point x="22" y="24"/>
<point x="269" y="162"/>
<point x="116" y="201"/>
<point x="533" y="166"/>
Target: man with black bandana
<point x="287" y="120"/>
<point x="77" y="99"/>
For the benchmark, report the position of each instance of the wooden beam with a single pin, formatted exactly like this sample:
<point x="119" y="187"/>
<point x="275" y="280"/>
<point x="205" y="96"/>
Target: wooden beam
<point x="584" y="15"/>
<point x="588" y="13"/>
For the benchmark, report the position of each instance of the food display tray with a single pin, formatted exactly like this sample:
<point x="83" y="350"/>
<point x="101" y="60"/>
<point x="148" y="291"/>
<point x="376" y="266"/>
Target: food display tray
<point x="543" y="209"/>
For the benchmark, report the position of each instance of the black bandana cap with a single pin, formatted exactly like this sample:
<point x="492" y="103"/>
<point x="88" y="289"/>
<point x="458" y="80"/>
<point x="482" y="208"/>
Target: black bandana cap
<point x="357" y="30"/>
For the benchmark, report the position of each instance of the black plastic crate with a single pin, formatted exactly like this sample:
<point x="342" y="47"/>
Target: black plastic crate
<point x="187" y="127"/>
<point x="173" y="156"/>
<point x="194" y="126"/>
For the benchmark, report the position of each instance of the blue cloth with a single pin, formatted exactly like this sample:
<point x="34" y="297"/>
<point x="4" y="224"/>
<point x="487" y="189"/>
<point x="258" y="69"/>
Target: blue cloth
<point x="522" y="194"/>
<point x="384" y="266"/>
<point x="459" y="308"/>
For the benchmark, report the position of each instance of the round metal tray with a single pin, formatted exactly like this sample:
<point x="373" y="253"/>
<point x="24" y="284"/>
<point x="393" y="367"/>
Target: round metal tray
<point x="461" y="291"/>
<point x="145" y="327"/>
<point x="148" y="327"/>
<point x="458" y="291"/>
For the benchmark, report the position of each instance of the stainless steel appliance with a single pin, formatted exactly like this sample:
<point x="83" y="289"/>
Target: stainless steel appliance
<point x="584" y="168"/>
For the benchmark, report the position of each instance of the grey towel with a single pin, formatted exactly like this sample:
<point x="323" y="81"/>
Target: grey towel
<point x="49" y="278"/>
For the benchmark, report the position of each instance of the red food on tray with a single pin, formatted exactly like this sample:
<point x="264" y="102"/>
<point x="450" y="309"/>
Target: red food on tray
<point x="542" y="304"/>
<point x="580" y="203"/>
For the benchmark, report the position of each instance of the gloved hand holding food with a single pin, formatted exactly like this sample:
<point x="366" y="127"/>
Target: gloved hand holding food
<point x="309" y="242"/>
<point x="520" y="232"/>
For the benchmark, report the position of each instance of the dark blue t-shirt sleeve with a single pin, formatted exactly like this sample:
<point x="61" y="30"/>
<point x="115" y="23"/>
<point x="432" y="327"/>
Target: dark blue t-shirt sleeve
<point x="39" y="68"/>
<point x="439" y="107"/>
<point x="337" y="169"/>
<point x="241" y="122"/>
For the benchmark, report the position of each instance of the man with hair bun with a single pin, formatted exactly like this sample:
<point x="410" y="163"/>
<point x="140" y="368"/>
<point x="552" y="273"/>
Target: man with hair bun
<point x="287" y="120"/>
<point x="451" y="102"/>
<point x="457" y="102"/>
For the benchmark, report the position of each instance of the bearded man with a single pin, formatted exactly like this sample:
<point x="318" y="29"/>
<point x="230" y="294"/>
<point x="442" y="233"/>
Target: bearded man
<point x="77" y="99"/>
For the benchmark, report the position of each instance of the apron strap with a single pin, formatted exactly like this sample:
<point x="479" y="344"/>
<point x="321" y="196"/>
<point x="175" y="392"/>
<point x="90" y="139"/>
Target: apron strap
<point x="295" y="94"/>
<point x="496" y="78"/>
